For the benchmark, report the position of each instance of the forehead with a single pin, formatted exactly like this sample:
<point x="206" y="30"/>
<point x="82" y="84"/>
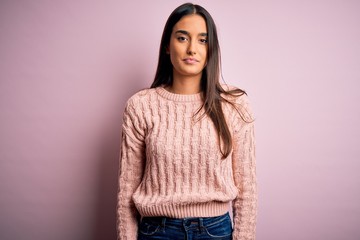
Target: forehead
<point x="191" y="23"/>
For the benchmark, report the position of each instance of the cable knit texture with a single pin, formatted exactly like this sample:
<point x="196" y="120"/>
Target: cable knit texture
<point x="170" y="163"/>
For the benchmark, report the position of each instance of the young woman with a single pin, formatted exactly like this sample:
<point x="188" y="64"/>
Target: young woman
<point x="187" y="147"/>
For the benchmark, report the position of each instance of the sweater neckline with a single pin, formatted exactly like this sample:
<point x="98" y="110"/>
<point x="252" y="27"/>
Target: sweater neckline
<point x="178" y="97"/>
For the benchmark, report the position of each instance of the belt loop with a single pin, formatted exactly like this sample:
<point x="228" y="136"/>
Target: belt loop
<point x="201" y="225"/>
<point x="163" y="221"/>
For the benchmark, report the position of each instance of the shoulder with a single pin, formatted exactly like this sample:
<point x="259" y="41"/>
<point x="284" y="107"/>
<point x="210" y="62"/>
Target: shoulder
<point x="239" y="102"/>
<point x="228" y="87"/>
<point x="137" y="105"/>
<point x="140" y="97"/>
<point x="244" y="106"/>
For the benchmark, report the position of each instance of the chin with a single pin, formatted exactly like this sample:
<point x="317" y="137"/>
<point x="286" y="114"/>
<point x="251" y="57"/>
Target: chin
<point x="191" y="73"/>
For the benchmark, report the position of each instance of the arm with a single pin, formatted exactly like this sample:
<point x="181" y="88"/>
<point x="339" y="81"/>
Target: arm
<point x="132" y="161"/>
<point x="244" y="169"/>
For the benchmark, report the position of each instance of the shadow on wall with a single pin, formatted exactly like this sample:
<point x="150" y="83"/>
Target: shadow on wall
<point x="108" y="162"/>
<point x="105" y="222"/>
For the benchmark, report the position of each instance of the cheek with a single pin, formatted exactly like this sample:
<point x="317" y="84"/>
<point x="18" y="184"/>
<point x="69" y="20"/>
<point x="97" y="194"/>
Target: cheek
<point x="175" y="54"/>
<point x="204" y="54"/>
<point x="175" y="49"/>
<point x="202" y="50"/>
<point x="172" y="60"/>
<point x="174" y="57"/>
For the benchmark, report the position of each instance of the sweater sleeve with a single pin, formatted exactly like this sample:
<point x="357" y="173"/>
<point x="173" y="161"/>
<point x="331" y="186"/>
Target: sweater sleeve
<point x="244" y="169"/>
<point x="131" y="167"/>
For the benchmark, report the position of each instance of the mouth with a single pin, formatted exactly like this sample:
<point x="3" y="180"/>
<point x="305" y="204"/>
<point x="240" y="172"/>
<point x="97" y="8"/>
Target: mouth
<point x="190" y="60"/>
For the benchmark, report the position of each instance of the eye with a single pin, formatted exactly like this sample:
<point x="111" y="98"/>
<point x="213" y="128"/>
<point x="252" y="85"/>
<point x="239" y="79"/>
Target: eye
<point x="203" y="40"/>
<point x="181" y="39"/>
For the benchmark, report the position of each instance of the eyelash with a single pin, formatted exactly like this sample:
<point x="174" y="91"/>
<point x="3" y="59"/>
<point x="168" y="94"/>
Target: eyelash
<point x="181" y="39"/>
<point x="203" y="40"/>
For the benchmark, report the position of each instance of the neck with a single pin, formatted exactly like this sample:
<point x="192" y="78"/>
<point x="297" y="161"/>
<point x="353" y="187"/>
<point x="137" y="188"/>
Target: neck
<point x="185" y="85"/>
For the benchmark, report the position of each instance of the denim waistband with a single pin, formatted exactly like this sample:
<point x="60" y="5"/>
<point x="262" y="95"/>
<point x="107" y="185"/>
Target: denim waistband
<point x="193" y="221"/>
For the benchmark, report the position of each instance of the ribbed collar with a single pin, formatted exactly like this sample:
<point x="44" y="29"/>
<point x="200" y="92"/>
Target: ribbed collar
<point x="178" y="97"/>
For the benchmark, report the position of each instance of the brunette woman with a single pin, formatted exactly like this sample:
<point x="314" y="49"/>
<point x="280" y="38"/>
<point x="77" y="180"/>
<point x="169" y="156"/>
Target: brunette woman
<point x="187" y="151"/>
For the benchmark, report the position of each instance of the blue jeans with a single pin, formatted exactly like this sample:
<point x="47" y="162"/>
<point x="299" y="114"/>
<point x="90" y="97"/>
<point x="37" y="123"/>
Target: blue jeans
<point x="207" y="228"/>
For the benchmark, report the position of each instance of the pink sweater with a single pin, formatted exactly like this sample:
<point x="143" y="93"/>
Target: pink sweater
<point x="171" y="164"/>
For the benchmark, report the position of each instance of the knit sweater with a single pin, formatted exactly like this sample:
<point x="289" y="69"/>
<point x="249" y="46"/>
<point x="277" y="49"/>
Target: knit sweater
<point x="171" y="164"/>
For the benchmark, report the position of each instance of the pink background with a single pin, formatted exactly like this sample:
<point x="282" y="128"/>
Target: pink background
<point x="67" y="68"/>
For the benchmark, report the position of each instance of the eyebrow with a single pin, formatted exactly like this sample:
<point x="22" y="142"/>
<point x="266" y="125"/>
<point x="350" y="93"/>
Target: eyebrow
<point x="187" y="33"/>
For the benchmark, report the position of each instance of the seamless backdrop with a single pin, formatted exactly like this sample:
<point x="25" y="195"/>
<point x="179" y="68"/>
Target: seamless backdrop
<point x="67" y="68"/>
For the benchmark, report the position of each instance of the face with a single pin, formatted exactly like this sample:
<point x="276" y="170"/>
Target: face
<point x="188" y="46"/>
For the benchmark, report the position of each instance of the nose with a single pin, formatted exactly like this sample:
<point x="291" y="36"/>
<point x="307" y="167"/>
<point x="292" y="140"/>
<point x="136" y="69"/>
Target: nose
<point x="191" y="48"/>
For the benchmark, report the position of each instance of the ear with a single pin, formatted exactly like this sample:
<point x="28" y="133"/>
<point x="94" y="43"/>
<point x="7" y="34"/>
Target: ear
<point x="167" y="50"/>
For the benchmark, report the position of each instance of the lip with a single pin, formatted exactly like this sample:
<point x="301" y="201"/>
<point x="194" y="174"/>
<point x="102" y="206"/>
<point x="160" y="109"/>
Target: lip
<point x="190" y="60"/>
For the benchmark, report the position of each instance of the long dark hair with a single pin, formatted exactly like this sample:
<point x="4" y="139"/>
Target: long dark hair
<point x="210" y="84"/>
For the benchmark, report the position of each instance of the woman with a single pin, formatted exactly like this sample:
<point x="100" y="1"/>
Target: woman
<point x="187" y="147"/>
